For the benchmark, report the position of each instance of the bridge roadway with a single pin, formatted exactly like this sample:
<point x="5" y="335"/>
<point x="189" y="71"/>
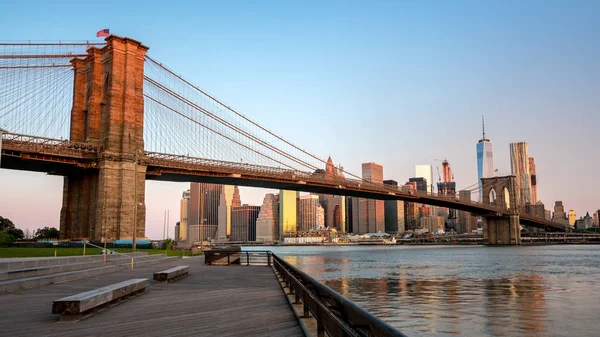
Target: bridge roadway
<point x="55" y="156"/>
<point x="211" y="301"/>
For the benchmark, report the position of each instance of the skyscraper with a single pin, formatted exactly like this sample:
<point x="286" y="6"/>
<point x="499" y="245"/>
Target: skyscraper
<point x="410" y="208"/>
<point x="485" y="159"/>
<point x="466" y="222"/>
<point x="372" y="172"/>
<point x="519" y="163"/>
<point x="267" y="223"/>
<point x="203" y="211"/>
<point x="421" y="183"/>
<point x="426" y="172"/>
<point x="560" y="215"/>
<point x="394" y="212"/>
<point x="288" y="212"/>
<point x="225" y="202"/>
<point x="572" y="217"/>
<point x="183" y="216"/>
<point x="368" y="214"/>
<point x="311" y="215"/>
<point x="243" y="222"/>
<point x="533" y="177"/>
<point x="335" y="211"/>
<point x="209" y="210"/>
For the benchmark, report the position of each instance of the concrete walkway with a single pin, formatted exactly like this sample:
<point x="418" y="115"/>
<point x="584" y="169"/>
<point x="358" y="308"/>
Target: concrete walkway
<point x="211" y="301"/>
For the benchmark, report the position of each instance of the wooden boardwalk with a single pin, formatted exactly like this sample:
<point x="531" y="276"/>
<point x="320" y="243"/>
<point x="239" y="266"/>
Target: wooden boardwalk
<point x="211" y="301"/>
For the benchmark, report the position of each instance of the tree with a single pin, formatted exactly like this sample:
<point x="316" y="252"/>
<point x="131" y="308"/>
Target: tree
<point x="46" y="233"/>
<point x="9" y="227"/>
<point x="6" y="239"/>
<point x="168" y="243"/>
<point x="5" y="224"/>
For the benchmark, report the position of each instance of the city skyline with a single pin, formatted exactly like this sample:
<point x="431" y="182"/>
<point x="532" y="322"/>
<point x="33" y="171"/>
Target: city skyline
<point x="526" y="90"/>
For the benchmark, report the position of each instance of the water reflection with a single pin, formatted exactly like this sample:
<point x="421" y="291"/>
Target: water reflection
<point x="444" y="292"/>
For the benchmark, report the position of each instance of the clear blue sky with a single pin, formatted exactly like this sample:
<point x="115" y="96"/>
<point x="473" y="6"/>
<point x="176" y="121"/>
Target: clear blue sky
<point x="395" y="82"/>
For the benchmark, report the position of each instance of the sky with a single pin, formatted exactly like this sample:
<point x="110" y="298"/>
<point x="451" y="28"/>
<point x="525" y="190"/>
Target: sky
<point x="398" y="83"/>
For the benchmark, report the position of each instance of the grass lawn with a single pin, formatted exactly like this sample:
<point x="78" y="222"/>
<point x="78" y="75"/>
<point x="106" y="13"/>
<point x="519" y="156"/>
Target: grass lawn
<point x="64" y="251"/>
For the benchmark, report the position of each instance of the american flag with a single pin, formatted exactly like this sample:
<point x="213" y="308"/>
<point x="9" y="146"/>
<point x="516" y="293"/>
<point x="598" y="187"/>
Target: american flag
<point x="103" y="32"/>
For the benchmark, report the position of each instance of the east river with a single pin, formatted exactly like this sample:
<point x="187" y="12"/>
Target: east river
<point x="466" y="291"/>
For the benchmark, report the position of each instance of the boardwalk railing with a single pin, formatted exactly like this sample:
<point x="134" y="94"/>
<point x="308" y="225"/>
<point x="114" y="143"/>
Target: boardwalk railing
<point x="244" y="258"/>
<point x="335" y="315"/>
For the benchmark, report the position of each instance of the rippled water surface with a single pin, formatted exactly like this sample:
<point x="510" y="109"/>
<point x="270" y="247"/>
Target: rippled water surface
<point x="466" y="291"/>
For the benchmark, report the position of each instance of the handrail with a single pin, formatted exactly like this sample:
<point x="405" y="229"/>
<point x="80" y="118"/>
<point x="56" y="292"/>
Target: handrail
<point x="335" y="315"/>
<point x="85" y="242"/>
<point x="250" y="256"/>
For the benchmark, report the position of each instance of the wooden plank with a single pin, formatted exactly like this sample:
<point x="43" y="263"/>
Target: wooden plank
<point x="212" y="301"/>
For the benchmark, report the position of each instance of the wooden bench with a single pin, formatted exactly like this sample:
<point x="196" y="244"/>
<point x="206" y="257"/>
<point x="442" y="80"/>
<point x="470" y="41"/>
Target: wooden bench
<point x="74" y="308"/>
<point x="172" y="274"/>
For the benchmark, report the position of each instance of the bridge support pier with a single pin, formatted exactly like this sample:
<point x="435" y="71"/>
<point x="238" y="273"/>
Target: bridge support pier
<point x="501" y="230"/>
<point x="108" y="111"/>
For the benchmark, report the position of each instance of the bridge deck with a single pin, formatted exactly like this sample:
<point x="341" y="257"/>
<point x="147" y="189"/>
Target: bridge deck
<point x="211" y="301"/>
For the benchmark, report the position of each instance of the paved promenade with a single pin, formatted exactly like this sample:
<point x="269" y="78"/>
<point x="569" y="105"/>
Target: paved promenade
<point x="211" y="301"/>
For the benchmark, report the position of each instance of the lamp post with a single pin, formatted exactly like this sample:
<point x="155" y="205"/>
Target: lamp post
<point x="135" y="199"/>
<point x="2" y="131"/>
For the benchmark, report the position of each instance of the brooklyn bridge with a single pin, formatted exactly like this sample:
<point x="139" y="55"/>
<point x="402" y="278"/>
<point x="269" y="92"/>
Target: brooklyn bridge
<point x="107" y="117"/>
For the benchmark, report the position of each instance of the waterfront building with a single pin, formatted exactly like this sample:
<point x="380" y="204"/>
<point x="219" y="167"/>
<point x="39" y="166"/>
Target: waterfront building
<point x="330" y="171"/>
<point x="203" y="211"/>
<point x="425" y="172"/>
<point x="311" y="215"/>
<point x="335" y="211"/>
<point x="372" y="172"/>
<point x="393" y="212"/>
<point x="584" y="222"/>
<point x="183" y="216"/>
<point x="538" y="210"/>
<point x="519" y="163"/>
<point x="410" y="208"/>
<point x="533" y="177"/>
<point x="225" y="203"/>
<point x="236" y="201"/>
<point x="267" y="223"/>
<point x="572" y="217"/>
<point x="441" y="224"/>
<point x="368" y="215"/>
<point x="548" y="215"/>
<point x="560" y="215"/>
<point x="466" y="223"/>
<point x="420" y="182"/>
<point x="429" y="223"/>
<point x="433" y="224"/>
<point x="177" y="235"/>
<point x="243" y="222"/>
<point x="596" y="218"/>
<point x="288" y="212"/>
<point x="334" y="206"/>
<point x="485" y="160"/>
<point x="424" y="210"/>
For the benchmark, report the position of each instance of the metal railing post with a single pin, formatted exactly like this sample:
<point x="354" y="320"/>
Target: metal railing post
<point x="306" y="312"/>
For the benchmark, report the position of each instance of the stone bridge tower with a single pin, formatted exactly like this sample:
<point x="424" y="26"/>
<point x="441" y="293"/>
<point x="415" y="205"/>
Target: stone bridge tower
<point x="108" y="111"/>
<point x="500" y="229"/>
